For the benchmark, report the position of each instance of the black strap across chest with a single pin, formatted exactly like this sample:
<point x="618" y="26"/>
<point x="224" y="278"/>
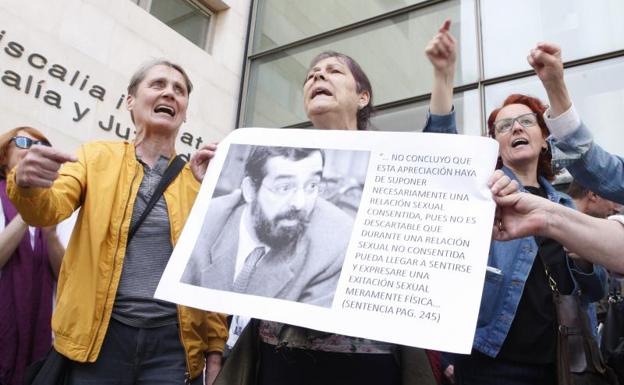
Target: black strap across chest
<point x="170" y="174"/>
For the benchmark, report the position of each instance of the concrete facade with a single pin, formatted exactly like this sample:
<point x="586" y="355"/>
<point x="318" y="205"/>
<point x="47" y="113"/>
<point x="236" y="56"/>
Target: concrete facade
<point x="65" y="65"/>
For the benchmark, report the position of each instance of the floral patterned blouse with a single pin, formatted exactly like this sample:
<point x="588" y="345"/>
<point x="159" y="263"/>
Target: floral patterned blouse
<point x="326" y="342"/>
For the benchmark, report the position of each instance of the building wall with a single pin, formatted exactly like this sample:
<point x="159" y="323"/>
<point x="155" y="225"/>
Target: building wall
<point x="65" y="66"/>
<point x="388" y="37"/>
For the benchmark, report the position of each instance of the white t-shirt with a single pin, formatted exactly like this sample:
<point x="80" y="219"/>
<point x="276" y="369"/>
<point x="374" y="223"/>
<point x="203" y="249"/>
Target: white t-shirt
<point x="618" y="218"/>
<point x="246" y="242"/>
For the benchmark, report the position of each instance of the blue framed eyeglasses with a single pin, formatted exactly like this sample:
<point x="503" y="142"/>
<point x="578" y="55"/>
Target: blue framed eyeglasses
<point x="26" y="143"/>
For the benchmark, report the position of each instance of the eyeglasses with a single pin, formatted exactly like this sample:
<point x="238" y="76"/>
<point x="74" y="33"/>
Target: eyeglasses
<point x="527" y="120"/>
<point x="288" y="189"/>
<point x="26" y="143"/>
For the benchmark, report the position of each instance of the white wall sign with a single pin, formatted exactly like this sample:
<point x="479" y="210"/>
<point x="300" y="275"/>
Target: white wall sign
<point x="65" y="67"/>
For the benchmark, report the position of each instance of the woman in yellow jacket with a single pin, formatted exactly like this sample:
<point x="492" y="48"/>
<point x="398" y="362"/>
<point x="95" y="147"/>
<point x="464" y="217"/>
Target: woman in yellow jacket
<point x="106" y="319"/>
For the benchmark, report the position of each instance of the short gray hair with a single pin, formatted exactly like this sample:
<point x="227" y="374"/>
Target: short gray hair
<point x="140" y="74"/>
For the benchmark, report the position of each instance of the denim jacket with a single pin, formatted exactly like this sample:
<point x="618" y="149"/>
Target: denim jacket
<point x="509" y="264"/>
<point x="590" y="164"/>
<point x="441" y="124"/>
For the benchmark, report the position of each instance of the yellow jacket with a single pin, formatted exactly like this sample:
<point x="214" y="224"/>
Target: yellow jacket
<point x="104" y="183"/>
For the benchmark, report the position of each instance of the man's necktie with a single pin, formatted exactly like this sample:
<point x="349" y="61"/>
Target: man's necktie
<point x="242" y="280"/>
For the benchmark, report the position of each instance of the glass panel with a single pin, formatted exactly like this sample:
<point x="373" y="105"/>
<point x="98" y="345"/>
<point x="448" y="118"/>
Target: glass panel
<point x="280" y="22"/>
<point x="412" y="117"/>
<point x="597" y="91"/>
<point x="194" y="28"/>
<point x="398" y="70"/>
<point x="168" y="10"/>
<point x="183" y="18"/>
<point x="582" y="28"/>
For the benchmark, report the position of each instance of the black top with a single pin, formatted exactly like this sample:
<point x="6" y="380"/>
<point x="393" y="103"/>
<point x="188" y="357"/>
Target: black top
<point x="532" y="338"/>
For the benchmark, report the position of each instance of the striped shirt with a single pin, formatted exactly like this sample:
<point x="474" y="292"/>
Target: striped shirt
<point x="146" y="256"/>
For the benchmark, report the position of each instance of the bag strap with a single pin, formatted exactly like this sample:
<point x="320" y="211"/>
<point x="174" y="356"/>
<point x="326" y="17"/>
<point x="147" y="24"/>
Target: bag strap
<point x="551" y="281"/>
<point x="170" y="174"/>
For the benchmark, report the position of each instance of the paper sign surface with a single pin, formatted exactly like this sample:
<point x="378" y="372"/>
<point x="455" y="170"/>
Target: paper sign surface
<point x="381" y="235"/>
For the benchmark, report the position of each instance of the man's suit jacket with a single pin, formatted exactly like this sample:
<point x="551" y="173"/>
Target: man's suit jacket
<point x="305" y="271"/>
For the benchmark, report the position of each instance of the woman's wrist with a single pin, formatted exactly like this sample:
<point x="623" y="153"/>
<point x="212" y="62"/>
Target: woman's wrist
<point x="19" y="221"/>
<point x="446" y="76"/>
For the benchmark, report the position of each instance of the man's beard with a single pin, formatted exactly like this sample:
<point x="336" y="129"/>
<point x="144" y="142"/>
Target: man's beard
<point x="274" y="235"/>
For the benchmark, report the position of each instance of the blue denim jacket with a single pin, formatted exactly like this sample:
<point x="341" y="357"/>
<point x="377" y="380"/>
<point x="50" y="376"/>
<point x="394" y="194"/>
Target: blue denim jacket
<point x="590" y="164"/>
<point x="509" y="265"/>
<point x="442" y="124"/>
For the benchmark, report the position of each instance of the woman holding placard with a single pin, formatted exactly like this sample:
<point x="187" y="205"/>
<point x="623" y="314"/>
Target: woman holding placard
<point x="516" y="337"/>
<point x="338" y="95"/>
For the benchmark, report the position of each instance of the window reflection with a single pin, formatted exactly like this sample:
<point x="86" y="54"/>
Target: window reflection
<point x="397" y="71"/>
<point x="412" y="117"/>
<point x="280" y="22"/>
<point x="597" y="91"/>
<point x="582" y="28"/>
<point x="185" y="19"/>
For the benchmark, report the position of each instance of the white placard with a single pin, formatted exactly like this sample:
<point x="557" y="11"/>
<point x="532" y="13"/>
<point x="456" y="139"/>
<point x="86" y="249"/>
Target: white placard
<point x="392" y="248"/>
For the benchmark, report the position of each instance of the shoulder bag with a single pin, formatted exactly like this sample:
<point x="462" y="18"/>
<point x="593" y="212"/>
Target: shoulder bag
<point x="612" y="343"/>
<point x="579" y="361"/>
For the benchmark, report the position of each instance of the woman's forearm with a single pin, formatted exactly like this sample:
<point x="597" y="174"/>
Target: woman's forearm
<point x="442" y="94"/>
<point x="442" y="53"/>
<point x="10" y="238"/>
<point x="558" y="97"/>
